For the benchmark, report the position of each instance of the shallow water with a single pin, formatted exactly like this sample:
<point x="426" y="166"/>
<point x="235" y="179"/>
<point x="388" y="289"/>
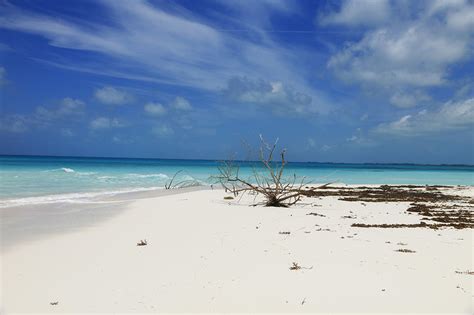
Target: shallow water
<point x="30" y="179"/>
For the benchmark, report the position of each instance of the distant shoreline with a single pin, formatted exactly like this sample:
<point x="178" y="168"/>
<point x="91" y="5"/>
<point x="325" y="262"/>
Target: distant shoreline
<point x="238" y="161"/>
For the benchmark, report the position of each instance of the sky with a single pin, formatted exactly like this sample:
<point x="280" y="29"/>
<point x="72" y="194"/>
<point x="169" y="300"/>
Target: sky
<point x="354" y="81"/>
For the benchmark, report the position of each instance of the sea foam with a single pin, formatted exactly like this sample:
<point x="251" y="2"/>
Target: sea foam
<point x="86" y="197"/>
<point x="159" y="175"/>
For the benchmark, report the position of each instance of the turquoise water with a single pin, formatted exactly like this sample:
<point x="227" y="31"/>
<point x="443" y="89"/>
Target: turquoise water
<point x="34" y="179"/>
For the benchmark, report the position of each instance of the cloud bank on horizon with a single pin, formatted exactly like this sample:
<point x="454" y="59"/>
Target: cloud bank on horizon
<point x="348" y="81"/>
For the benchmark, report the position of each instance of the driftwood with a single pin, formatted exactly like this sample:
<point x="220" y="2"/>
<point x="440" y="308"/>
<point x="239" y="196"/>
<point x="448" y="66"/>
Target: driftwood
<point x="181" y="184"/>
<point x="267" y="181"/>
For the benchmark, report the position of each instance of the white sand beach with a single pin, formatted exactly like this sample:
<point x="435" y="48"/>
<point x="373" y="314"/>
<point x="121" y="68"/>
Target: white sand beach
<point x="207" y="254"/>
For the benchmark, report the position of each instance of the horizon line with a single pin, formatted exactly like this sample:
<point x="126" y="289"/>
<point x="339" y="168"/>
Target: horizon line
<point x="217" y="160"/>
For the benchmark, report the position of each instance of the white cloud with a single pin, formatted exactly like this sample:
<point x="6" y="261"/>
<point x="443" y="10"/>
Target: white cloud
<point x="414" y="56"/>
<point x="162" y="131"/>
<point x="154" y="109"/>
<point x="122" y="140"/>
<point x="361" y="141"/>
<point x="68" y="107"/>
<point x="409" y="52"/>
<point x="442" y="5"/>
<point x="106" y="123"/>
<point x="462" y="20"/>
<point x="14" y="124"/>
<point x="71" y="106"/>
<point x="451" y="116"/>
<point x="275" y="96"/>
<point x="359" y="12"/>
<point x="406" y="100"/>
<point x="326" y="148"/>
<point x="180" y="103"/>
<point x="112" y="96"/>
<point x="458" y="14"/>
<point x="465" y="90"/>
<point x="358" y="138"/>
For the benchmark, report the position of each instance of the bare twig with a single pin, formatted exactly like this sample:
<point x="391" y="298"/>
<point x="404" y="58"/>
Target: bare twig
<point x="180" y="184"/>
<point x="268" y="181"/>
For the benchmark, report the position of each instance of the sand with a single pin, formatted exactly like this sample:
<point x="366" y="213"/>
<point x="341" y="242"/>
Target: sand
<point x="207" y="254"/>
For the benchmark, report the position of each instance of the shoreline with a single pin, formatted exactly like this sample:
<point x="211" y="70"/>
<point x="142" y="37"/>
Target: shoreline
<point x="20" y="223"/>
<point x="94" y="196"/>
<point x="207" y="254"/>
<point x="149" y="192"/>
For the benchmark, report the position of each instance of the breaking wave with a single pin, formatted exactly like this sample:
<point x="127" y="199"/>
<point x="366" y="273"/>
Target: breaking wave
<point x="85" y="197"/>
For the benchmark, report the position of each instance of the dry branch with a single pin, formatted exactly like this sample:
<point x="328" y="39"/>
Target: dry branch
<point x="267" y="181"/>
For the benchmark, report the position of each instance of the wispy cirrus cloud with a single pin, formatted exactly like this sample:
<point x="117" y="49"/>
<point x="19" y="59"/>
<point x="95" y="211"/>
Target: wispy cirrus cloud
<point x="256" y="15"/>
<point x="144" y="42"/>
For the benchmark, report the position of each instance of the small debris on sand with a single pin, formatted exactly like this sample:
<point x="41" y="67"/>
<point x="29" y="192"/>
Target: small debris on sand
<point x="54" y="303"/>
<point x="142" y="243"/>
<point x="316" y="214"/>
<point x="460" y="288"/>
<point x="467" y="272"/>
<point x="285" y="233"/>
<point x="404" y="250"/>
<point x="320" y="229"/>
<point x="295" y="266"/>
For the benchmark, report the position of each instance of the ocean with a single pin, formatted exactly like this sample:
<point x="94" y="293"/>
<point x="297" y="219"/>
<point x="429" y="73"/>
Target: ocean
<point x="39" y="179"/>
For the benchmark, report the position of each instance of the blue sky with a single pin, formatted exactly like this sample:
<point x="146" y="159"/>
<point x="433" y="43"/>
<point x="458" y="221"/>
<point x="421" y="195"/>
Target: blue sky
<point x="350" y="81"/>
